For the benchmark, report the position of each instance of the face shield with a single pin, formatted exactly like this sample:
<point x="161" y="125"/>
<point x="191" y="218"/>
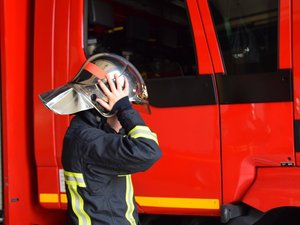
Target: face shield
<point x="81" y="92"/>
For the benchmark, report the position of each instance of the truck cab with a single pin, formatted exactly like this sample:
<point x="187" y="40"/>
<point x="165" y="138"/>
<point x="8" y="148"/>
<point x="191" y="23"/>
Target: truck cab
<point x="223" y="79"/>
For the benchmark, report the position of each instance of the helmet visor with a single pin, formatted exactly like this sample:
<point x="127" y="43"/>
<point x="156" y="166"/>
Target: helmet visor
<point x="65" y="100"/>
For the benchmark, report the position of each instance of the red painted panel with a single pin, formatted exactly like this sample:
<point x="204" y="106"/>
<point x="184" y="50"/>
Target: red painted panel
<point x="204" y="60"/>
<point x="283" y="183"/>
<point x="44" y="119"/>
<point x="76" y="48"/>
<point x="298" y="158"/>
<point x="253" y="135"/>
<point x="61" y="66"/>
<point x="60" y="29"/>
<point x="189" y="139"/>
<point x="48" y="184"/>
<point x="43" y="81"/>
<point x="211" y="37"/>
<point x="285" y="35"/>
<point x="296" y="56"/>
<point x="19" y="171"/>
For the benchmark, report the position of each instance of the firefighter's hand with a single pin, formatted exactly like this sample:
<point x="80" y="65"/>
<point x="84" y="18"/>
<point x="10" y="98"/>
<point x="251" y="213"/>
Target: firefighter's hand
<point x="116" y="92"/>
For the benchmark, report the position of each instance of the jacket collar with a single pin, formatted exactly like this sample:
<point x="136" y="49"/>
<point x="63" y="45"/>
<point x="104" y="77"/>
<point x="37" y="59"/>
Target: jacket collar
<point x="95" y="119"/>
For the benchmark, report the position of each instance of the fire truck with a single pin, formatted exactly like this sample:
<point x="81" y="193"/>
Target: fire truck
<point x="223" y="78"/>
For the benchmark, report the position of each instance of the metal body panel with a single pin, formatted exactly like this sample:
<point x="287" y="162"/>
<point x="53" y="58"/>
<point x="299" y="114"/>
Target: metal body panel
<point x="244" y="145"/>
<point x="253" y="136"/>
<point x="275" y="192"/>
<point x="255" y="132"/>
<point x="19" y="171"/>
<point x="190" y="146"/>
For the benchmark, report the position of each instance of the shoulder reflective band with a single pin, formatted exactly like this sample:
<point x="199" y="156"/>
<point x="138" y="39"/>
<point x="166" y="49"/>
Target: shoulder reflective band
<point x="73" y="181"/>
<point x="95" y="70"/>
<point x="184" y="203"/>
<point x="144" y="132"/>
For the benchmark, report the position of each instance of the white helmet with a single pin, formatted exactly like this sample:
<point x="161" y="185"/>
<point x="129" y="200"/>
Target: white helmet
<point x="80" y="93"/>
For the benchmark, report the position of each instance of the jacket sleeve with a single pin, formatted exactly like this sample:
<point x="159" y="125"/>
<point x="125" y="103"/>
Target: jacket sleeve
<point x="133" y="152"/>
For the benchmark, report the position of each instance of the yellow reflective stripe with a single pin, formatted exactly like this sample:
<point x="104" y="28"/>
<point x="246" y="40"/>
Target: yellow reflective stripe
<point x="48" y="198"/>
<point x="194" y="203"/>
<point x="186" y="203"/>
<point x="145" y="128"/>
<point x="129" y="201"/>
<point x="63" y="198"/>
<point x="142" y="131"/>
<point x="77" y="206"/>
<point x="73" y="181"/>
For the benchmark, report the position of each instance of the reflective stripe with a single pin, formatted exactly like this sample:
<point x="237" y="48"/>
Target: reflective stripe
<point x="73" y="181"/>
<point x="129" y="201"/>
<point x="184" y="203"/>
<point x="162" y="202"/>
<point x="63" y="198"/>
<point x="142" y="131"/>
<point x="48" y="198"/>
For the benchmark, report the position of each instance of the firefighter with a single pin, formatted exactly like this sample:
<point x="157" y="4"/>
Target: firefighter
<point x="106" y="142"/>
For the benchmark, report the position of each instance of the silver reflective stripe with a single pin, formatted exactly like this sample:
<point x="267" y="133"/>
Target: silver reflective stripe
<point x="129" y="201"/>
<point x="73" y="181"/>
<point x="142" y="131"/>
<point x="74" y="178"/>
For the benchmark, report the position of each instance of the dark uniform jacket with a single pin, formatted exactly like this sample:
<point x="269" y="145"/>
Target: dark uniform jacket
<point x="97" y="165"/>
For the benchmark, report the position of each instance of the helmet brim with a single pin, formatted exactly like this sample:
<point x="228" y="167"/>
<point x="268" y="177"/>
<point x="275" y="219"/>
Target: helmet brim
<point x="65" y="100"/>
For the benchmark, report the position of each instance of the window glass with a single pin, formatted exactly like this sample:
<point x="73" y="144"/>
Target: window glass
<point x="248" y="34"/>
<point x="153" y="35"/>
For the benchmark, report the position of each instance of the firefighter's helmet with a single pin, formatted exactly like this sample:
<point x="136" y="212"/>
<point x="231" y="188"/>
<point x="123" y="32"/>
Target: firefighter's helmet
<point x="80" y="93"/>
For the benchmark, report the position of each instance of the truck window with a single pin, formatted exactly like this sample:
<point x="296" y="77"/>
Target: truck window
<point x="153" y="35"/>
<point x="248" y="35"/>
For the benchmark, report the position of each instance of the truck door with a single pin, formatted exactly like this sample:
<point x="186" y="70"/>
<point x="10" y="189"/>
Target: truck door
<point x="166" y="42"/>
<point x="254" y="89"/>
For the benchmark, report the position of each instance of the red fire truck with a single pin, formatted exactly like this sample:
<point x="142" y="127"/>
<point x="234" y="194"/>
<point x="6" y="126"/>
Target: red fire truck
<point x="223" y="78"/>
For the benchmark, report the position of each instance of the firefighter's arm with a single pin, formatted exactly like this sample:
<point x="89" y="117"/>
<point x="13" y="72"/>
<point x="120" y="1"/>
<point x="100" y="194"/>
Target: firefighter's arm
<point x="117" y="154"/>
<point x="133" y="152"/>
<point x="138" y="149"/>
